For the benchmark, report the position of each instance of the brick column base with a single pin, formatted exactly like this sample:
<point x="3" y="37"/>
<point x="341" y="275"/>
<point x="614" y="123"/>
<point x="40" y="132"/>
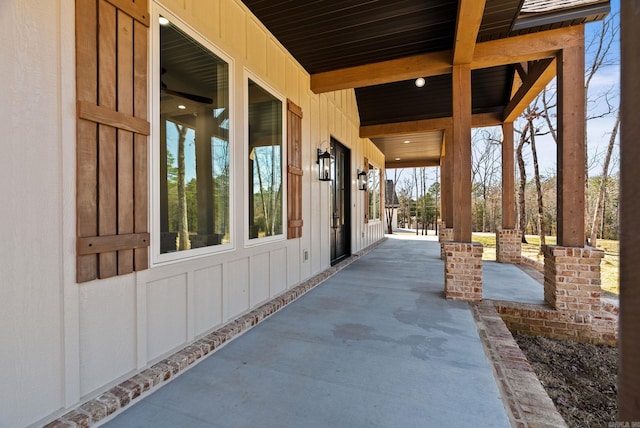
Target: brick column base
<point x="446" y="235"/>
<point x="572" y="278"/>
<point x="463" y="271"/>
<point x="509" y="246"/>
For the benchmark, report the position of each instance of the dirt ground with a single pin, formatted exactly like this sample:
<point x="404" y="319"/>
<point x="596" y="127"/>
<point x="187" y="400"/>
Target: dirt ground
<point x="580" y="378"/>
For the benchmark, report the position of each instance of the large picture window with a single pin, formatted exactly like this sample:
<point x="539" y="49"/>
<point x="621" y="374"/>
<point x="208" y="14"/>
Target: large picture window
<point x="194" y="144"/>
<point x="265" y="162"/>
<point x="373" y="187"/>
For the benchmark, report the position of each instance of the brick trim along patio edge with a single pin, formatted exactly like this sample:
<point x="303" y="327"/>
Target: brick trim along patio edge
<point x="117" y="399"/>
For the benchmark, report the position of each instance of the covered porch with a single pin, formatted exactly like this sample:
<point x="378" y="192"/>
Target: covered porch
<point x="375" y="344"/>
<point x="105" y="325"/>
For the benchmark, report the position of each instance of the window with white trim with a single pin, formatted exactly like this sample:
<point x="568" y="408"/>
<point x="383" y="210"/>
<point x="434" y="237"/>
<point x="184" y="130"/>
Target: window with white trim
<point x="265" y="161"/>
<point x="373" y="187"/>
<point x="194" y="152"/>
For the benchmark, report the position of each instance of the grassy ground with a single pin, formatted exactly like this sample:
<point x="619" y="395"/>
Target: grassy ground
<point x="609" y="265"/>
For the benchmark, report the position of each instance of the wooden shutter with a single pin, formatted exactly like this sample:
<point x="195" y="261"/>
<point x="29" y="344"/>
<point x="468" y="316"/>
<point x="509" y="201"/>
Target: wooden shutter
<point x="381" y="193"/>
<point x="112" y="133"/>
<point x="294" y="171"/>
<point x="366" y="193"/>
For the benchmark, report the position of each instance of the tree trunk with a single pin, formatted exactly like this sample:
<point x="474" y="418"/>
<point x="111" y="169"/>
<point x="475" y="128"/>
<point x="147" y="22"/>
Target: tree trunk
<point x="415" y="179"/>
<point x="183" y="222"/>
<point x="586" y="165"/>
<point x="536" y="172"/>
<point x="262" y="199"/>
<point x="523" y="183"/>
<point x="484" y="210"/>
<point x="598" y="212"/>
<point x="424" y="200"/>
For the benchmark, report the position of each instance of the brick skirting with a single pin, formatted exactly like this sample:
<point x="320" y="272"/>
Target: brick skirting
<point x="445" y="235"/>
<point x="509" y="246"/>
<point x="599" y="327"/>
<point x="572" y="278"/>
<point x="120" y="397"/>
<point x="463" y="271"/>
<point x="535" y="264"/>
<point x="525" y="400"/>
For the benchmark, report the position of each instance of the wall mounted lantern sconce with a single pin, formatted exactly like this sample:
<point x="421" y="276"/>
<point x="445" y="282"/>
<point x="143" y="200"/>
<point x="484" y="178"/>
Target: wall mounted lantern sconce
<point x="324" y="165"/>
<point x="362" y="180"/>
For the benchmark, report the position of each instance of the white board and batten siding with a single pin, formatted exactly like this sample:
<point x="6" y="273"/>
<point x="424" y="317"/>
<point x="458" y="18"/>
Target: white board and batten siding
<point x="62" y="342"/>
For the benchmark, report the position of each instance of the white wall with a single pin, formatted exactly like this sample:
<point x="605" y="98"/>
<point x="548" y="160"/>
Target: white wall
<point x="62" y="342"/>
<point x="31" y="212"/>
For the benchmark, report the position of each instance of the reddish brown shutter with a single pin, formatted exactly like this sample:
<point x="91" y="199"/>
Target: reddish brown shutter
<point x="294" y="171"/>
<point x="366" y="193"/>
<point x="381" y="194"/>
<point x="112" y="133"/>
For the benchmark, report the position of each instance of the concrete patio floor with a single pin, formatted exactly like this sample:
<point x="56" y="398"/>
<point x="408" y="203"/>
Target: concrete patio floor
<point x="375" y="345"/>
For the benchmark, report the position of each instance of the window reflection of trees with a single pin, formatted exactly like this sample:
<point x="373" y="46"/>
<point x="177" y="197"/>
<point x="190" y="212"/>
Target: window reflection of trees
<point x="373" y="187"/>
<point x="265" y="163"/>
<point x="194" y="148"/>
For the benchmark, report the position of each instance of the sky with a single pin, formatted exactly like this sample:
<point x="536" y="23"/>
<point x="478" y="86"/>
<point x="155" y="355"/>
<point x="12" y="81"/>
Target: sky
<point x="598" y="130"/>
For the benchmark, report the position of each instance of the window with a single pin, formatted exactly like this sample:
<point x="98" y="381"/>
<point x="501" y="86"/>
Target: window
<point x="265" y="117"/>
<point x="194" y="144"/>
<point x="373" y="187"/>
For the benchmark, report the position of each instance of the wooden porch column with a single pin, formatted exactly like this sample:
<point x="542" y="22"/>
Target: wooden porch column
<point x="565" y="286"/>
<point x="629" y="371"/>
<point x="447" y="179"/>
<point x="508" y="238"/>
<point x="461" y="131"/>
<point x="462" y="258"/>
<point x="508" y="178"/>
<point x="571" y="145"/>
<point x="446" y="201"/>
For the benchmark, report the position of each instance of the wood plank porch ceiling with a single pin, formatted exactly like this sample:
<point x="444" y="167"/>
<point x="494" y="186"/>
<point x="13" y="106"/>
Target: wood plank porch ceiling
<point x="380" y="47"/>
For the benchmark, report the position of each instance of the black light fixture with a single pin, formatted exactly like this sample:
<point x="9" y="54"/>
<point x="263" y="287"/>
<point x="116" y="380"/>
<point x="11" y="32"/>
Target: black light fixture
<point x="324" y="165"/>
<point x="362" y="180"/>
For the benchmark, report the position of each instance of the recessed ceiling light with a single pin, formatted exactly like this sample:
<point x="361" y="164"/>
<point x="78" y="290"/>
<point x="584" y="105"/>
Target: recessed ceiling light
<point x="406" y="141"/>
<point x="397" y="158"/>
<point x="420" y="82"/>
<point x="163" y="21"/>
<point x="182" y="106"/>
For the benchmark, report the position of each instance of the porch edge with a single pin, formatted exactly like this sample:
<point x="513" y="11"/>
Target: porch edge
<point x="119" y="398"/>
<point x="525" y="400"/>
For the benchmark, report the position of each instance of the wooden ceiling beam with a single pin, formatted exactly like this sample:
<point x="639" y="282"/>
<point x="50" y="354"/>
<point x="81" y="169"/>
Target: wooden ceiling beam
<point x="411" y="164"/>
<point x="517" y="49"/>
<point x="426" y="125"/>
<point x="522" y="68"/>
<point x="402" y="128"/>
<point x="528" y="47"/>
<point x="537" y="79"/>
<point x="426" y="65"/>
<point x="470" y="14"/>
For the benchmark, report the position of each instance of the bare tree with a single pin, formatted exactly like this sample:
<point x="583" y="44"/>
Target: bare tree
<point x="485" y="168"/>
<point x="423" y="178"/>
<point x="183" y="221"/>
<point x="522" y="172"/>
<point x="599" y="207"/>
<point x="531" y="115"/>
<point x="391" y="199"/>
<point x="416" y="183"/>
<point x="598" y="48"/>
<point x="405" y="190"/>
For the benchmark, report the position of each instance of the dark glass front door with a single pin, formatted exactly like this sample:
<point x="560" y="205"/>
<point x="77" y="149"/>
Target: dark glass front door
<point x="340" y="203"/>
